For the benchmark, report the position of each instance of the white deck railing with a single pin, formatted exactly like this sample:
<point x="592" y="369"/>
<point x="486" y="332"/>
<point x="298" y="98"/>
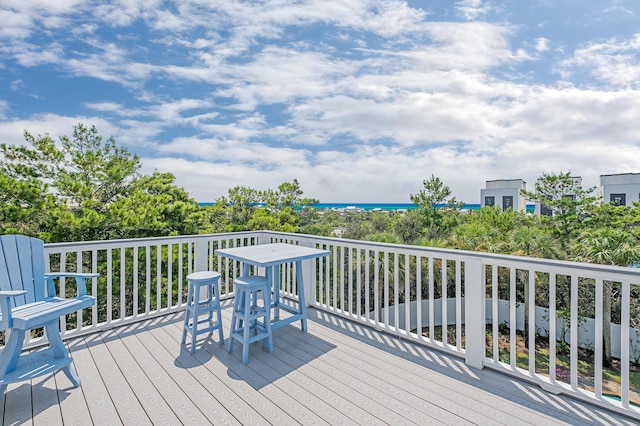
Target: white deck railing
<point x="398" y="289"/>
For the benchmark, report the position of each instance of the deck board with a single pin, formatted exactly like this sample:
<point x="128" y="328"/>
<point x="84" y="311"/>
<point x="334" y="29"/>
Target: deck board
<point x="261" y="380"/>
<point x="491" y="389"/>
<point x="170" y="359"/>
<point x="227" y="398"/>
<point x="381" y="390"/>
<point x="425" y="384"/>
<point x="339" y="372"/>
<point x="73" y="405"/>
<point x="152" y="402"/>
<point x="123" y="397"/>
<point x="99" y="403"/>
<point x="18" y="404"/>
<point x="46" y="407"/>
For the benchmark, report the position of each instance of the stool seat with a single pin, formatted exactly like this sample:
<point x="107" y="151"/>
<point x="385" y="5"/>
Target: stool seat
<point x="199" y="303"/>
<point x="251" y="321"/>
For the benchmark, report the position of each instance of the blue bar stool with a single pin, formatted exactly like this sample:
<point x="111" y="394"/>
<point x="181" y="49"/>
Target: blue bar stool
<point x="250" y="321"/>
<point x="197" y="308"/>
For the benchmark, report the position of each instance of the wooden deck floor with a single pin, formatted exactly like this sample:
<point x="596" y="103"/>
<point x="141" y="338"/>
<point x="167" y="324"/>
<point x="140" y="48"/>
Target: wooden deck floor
<point x="337" y="373"/>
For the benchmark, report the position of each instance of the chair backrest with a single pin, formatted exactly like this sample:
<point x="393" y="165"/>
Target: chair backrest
<point x="22" y="267"/>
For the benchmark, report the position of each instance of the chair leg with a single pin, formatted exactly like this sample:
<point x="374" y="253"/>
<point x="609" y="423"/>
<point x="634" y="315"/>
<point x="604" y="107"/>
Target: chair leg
<point x="59" y="350"/>
<point x="11" y="352"/>
<point x="73" y="377"/>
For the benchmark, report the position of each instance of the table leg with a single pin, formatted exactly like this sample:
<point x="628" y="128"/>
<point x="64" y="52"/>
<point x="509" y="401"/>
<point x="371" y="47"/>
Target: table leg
<point x="276" y="291"/>
<point x="302" y="301"/>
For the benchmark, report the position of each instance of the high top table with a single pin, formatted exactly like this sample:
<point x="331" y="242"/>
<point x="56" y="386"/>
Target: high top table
<point x="270" y="257"/>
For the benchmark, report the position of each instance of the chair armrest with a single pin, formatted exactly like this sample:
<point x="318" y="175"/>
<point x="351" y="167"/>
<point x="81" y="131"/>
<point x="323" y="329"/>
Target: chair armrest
<point x="80" y="281"/>
<point x="5" y="307"/>
<point x="12" y="293"/>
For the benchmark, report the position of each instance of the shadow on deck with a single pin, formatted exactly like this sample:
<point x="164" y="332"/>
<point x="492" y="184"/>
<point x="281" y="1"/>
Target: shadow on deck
<point x="339" y="372"/>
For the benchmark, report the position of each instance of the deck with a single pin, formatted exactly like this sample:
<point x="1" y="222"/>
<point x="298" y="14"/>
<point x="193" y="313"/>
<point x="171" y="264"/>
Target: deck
<point x="337" y="373"/>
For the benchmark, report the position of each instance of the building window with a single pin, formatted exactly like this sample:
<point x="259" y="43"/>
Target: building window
<point x="545" y="211"/>
<point x="490" y="201"/>
<point x="619" y="199"/>
<point x="507" y="202"/>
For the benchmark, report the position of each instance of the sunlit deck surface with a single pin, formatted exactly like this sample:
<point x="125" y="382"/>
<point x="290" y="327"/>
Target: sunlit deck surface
<point x="338" y="373"/>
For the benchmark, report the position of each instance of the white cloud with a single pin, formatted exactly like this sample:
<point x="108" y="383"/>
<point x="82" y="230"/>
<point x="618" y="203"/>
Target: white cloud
<point x="360" y="100"/>
<point x="17" y="85"/>
<point x="12" y="131"/>
<point x="542" y="44"/>
<point x="471" y="9"/>
<point x="471" y="45"/>
<point x="14" y="25"/>
<point x="614" y="62"/>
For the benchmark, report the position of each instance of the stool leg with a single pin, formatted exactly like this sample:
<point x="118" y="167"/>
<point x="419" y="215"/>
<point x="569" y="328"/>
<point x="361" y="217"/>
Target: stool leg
<point x="186" y="314"/>
<point x="241" y="300"/>
<point x="196" y="306"/>
<point x="218" y="312"/>
<point x="210" y="304"/>
<point x="234" y="321"/>
<point x="246" y="330"/>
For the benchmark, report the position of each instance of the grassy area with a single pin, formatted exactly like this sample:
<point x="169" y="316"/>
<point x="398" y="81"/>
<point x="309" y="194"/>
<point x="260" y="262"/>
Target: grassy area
<point x="611" y="377"/>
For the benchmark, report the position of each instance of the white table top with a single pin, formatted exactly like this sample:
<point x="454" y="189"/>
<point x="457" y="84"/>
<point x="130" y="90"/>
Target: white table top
<point x="271" y="254"/>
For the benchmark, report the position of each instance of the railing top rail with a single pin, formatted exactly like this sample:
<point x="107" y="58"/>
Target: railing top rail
<point x="462" y="254"/>
<point x="367" y="245"/>
<point x="143" y="241"/>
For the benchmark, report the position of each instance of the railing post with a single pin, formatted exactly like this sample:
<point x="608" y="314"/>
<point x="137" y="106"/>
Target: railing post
<point x="201" y="261"/>
<point x="474" y="309"/>
<point x="308" y="277"/>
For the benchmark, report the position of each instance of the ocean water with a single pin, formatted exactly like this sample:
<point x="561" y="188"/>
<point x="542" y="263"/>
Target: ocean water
<point x="384" y="206"/>
<point x="366" y="206"/>
<point x="394" y="206"/>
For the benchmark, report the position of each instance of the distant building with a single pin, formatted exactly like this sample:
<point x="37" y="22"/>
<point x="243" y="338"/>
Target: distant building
<point x="504" y="193"/>
<point x="541" y="209"/>
<point x="620" y="189"/>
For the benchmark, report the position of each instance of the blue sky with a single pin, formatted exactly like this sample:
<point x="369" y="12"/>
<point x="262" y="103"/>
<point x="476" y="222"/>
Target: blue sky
<point x="360" y="100"/>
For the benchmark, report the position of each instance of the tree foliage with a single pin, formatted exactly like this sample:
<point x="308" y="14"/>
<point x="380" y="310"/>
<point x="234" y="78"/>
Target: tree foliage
<point x="435" y="204"/>
<point x="568" y="203"/>
<point x="87" y="188"/>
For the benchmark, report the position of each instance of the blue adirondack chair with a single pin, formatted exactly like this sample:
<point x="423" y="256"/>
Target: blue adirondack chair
<point x="28" y="300"/>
